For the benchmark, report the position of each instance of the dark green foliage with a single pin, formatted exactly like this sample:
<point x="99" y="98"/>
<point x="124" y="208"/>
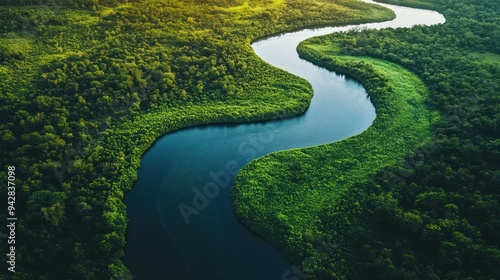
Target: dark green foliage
<point x="8" y="54"/>
<point x="446" y="203"/>
<point x="434" y="216"/>
<point x="312" y="180"/>
<point x="87" y="86"/>
<point x="71" y="3"/>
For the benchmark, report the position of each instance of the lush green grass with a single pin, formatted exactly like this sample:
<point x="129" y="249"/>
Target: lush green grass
<point x="282" y="195"/>
<point x="88" y="90"/>
<point x="85" y="92"/>
<point x="485" y="57"/>
<point x="432" y="216"/>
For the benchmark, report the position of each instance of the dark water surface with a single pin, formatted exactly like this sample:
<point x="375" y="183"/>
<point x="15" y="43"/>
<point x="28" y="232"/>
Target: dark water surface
<point x="194" y="169"/>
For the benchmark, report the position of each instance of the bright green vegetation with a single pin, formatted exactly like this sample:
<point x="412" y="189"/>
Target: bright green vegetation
<point x="485" y="57"/>
<point x="424" y="4"/>
<point x="88" y="85"/>
<point x="433" y="213"/>
<point x="311" y="179"/>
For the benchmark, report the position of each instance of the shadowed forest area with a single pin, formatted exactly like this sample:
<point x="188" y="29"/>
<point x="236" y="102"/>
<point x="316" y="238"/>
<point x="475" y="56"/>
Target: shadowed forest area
<point x="87" y="86"/>
<point x="433" y="215"/>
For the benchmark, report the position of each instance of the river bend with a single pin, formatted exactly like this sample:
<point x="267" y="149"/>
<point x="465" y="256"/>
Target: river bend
<point x="214" y="245"/>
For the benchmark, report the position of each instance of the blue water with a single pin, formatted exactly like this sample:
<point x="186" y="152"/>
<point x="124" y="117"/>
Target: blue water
<point x="193" y="169"/>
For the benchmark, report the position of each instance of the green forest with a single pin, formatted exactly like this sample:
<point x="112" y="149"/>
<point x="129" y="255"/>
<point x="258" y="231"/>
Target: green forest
<point x="433" y="213"/>
<point x="86" y="86"/>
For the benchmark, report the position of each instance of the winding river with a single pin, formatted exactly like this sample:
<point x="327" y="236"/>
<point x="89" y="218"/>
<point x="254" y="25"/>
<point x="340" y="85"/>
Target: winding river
<point x="182" y="168"/>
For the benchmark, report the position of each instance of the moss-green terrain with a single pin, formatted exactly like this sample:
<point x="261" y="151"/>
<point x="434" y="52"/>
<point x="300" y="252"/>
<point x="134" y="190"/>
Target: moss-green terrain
<point x="283" y="195"/>
<point x="416" y="195"/>
<point x="87" y="86"/>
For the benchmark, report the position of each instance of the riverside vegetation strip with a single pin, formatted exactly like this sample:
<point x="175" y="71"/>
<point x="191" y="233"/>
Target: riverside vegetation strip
<point x="87" y="87"/>
<point x="439" y="219"/>
<point x="434" y="215"/>
<point x="286" y="208"/>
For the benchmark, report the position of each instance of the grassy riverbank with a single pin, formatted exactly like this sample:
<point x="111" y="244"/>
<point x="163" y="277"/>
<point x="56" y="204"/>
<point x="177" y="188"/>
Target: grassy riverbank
<point x="432" y="214"/>
<point x="87" y="87"/>
<point x="284" y="195"/>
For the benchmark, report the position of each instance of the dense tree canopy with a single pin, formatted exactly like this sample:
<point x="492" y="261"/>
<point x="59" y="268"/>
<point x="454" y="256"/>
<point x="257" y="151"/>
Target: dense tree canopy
<point x="86" y="86"/>
<point x="436" y="214"/>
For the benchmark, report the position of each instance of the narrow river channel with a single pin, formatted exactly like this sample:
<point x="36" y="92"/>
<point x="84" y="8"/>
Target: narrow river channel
<point x="214" y="245"/>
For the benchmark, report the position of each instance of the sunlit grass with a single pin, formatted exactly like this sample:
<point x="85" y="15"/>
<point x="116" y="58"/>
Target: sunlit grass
<point x="485" y="57"/>
<point x="299" y="184"/>
<point x="140" y="31"/>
